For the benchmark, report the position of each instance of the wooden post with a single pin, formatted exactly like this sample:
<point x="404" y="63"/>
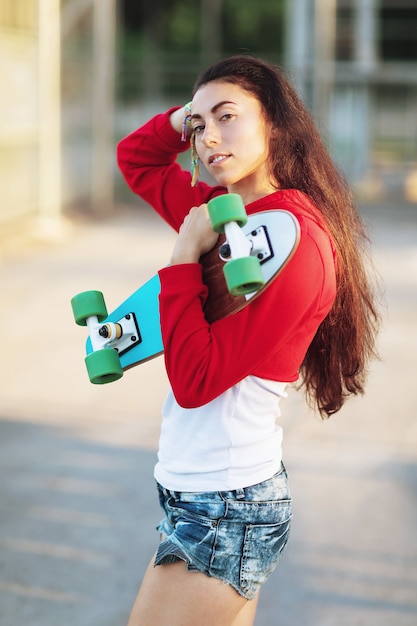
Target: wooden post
<point x="299" y="44"/>
<point x="211" y="36"/>
<point x="104" y="41"/>
<point x="49" y="103"/>
<point x="324" y="60"/>
<point x="365" y="56"/>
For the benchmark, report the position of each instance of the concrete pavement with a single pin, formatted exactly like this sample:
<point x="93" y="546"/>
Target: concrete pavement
<point x="78" y="507"/>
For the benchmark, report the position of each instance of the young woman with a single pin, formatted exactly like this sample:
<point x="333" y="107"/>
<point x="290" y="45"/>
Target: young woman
<point x="221" y="481"/>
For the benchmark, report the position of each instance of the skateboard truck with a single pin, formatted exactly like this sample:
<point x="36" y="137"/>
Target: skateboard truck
<point x="260" y="246"/>
<point x="242" y="271"/>
<point x="109" y="340"/>
<point x="121" y="335"/>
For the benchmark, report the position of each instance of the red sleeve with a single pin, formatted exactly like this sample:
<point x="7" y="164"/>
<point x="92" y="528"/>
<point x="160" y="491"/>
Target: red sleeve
<point x="147" y="160"/>
<point x="268" y="338"/>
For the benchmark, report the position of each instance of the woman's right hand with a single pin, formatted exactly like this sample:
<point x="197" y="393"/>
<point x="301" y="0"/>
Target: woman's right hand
<point x="195" y="238"/>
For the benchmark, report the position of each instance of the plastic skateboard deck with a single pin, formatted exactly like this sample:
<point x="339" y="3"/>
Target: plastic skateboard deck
<point x="275" y="233"/>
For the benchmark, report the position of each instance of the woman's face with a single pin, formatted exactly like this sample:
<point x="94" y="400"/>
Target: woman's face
<point x="232" y="139"/>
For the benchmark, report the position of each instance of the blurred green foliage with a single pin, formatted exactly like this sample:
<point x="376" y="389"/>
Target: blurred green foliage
<point x="164" y="44"/>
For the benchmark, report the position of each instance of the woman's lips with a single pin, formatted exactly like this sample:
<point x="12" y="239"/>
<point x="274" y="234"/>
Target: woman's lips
<point x="217" y="159"/>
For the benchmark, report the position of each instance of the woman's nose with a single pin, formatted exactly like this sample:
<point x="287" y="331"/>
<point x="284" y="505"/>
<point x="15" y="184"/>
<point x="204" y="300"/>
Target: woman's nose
<point x="211" y="134"/>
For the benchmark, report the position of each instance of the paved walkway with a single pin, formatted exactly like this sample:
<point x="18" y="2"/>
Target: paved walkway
<point x="77" y="500"/>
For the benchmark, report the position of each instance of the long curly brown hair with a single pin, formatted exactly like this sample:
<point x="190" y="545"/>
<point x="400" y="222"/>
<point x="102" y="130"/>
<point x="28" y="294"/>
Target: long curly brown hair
<point x="335" y="365"/>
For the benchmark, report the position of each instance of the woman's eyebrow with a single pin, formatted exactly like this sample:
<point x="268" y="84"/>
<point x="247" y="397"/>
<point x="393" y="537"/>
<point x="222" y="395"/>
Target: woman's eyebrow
<point x="213" y="109"/>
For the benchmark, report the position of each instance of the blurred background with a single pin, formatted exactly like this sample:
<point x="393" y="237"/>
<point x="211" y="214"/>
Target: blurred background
<point x="77" y="501"/>
<point x="77" y="75"/>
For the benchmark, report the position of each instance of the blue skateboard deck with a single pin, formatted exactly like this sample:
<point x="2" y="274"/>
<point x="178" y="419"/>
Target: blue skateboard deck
<point x="274" y="237"/>
<point x="143" y="304"/>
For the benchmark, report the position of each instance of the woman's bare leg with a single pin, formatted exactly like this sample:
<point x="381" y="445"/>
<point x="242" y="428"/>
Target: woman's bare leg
<point x="246" y="616"/>
<point x="170" y="595"/>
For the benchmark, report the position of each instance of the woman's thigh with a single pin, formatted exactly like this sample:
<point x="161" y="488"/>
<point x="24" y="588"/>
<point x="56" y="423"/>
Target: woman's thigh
<point x="170" y="594"/>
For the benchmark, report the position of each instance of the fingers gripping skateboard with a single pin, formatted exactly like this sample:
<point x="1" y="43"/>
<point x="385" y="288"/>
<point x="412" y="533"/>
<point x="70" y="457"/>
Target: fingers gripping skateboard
<point x="242" y="271"/>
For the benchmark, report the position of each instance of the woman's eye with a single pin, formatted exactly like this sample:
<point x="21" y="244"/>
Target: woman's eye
<point x="198" y="129"/>
<point x="226" y="116"/>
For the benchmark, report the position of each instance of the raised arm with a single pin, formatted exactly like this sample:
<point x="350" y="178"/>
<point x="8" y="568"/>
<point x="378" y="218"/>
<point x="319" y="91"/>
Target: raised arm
<point x="148" y="161"/>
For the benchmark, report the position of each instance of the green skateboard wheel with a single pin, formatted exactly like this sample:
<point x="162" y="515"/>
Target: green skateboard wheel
<point x="226" y="208"/>
<point x="243" y="275"/>
<point x="88" y="304"/>
<point x="103" y="366"/>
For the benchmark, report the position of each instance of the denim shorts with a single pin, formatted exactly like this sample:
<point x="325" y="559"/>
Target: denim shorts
<point x="236" y="536"/>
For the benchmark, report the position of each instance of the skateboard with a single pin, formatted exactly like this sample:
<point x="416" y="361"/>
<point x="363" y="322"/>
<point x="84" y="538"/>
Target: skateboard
<point x="250" y="253"/>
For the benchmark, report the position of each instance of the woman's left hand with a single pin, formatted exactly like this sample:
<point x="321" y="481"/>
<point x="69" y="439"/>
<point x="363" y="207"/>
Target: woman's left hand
<point x="196" y="237"/>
